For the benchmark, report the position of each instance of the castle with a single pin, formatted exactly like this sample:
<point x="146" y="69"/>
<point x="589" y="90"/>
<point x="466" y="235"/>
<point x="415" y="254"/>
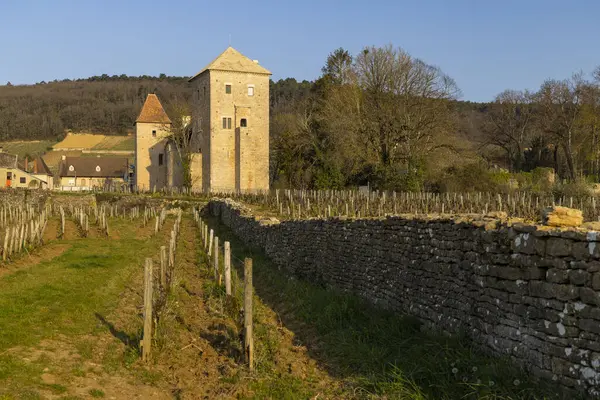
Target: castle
<point x="229" y="131"/>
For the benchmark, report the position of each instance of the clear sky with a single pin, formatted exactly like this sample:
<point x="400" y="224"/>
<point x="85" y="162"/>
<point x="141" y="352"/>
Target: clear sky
<point x="486" y="46"/>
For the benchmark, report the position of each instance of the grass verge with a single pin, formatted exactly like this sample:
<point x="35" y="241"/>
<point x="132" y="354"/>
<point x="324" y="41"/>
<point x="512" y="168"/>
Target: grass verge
<point x="376" y="353"/>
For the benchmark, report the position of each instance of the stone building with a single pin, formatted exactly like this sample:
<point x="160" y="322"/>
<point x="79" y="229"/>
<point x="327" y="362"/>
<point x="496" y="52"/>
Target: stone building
<point x="152" y="130"/>
<point x="229" y="131"/>
<point x="231" y="118"/>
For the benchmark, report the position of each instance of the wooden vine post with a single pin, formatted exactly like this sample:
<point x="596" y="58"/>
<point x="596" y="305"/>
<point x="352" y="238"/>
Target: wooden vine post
<point x="147" y="338"/>
<point x="227" y="267"/>
<point x="248" y="339"/>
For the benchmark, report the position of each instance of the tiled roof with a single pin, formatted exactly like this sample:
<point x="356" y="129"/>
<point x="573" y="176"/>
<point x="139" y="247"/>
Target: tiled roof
<point x="233" y="60"/>
<point x="153" y="111"/>
<point x="98" y="167"/>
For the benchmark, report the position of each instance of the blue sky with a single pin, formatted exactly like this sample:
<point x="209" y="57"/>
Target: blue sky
<point x="486" y="46"/>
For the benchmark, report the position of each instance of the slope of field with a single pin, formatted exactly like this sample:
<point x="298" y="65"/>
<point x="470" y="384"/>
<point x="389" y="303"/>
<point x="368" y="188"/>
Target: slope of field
<point x="90" y="141"/>
<point x="24" y="148"/>
<point x="120" y="143"/>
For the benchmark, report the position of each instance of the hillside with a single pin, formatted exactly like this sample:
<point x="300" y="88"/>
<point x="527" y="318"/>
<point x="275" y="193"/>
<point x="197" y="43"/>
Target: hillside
<point x="104" y="104"/>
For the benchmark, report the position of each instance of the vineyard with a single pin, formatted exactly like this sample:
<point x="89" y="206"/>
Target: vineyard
<point x="155" y="297"/>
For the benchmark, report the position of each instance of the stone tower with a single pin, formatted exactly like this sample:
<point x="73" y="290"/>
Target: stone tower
<point x="151" y="132"/>
<point x="231" y="117"/>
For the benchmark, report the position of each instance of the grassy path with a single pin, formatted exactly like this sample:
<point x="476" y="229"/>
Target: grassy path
<point x="50" y="307"/>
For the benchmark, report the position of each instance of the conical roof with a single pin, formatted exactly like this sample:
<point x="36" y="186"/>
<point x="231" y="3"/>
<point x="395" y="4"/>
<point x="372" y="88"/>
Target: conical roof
<point x="233" y="60"/>
<point x="153" y="111"/>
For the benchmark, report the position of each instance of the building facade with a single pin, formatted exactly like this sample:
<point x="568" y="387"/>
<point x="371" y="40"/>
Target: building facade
<point x="230" y="116"/>
<point x="152" y="130"/>
<point x="228" y="132"/>
<point x="86" y="173"/>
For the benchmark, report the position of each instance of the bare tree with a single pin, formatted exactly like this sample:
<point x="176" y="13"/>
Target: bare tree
<point x="406" y="104"/>
<point x="339" y="67"/>
<point x="509" y="124"/>
<point x="182" y="138"/>
<point x="561" y="106"/>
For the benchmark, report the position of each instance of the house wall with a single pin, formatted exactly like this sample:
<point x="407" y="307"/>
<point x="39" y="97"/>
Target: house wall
<point x="86" y="182"/>
<point x="149" y="175"/>
<point x="521" y="291"/>
<point x="17" y="176"/>
<point x="201" y="95"/>
<point x="236" y="158"/>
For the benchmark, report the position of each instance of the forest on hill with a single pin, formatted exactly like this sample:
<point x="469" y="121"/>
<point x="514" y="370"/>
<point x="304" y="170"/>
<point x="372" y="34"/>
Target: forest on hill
<point x="380" y="117"/>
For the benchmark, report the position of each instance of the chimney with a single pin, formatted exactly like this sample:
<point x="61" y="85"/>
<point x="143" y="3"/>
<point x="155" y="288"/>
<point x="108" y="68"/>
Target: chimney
<point x="255" y="61"/>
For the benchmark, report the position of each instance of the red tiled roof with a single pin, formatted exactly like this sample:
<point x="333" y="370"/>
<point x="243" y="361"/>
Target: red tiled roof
<point x="153" y="111"/>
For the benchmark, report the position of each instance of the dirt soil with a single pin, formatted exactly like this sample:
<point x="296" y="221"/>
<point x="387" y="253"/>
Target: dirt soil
<point x="196" y="352"/>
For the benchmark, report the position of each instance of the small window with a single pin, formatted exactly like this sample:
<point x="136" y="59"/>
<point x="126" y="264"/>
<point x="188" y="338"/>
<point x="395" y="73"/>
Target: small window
<point x="198" y="94"/>
<point x="250" y="90"/>
<point x="226" y="123"/>
<point x="160" y="159"/>
<point x="228" y="88"/>
<point x="154" y="133"/>
<point x="22" y="179"/>
<point x="97" y="168"/>
<point x="71" y="168"/>
<point x="243" y="123"/>
<point x="204" y="91"/>
<point x="9" y="175"/>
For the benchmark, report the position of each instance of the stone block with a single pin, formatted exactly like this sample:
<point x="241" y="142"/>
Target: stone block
<point x="562" y="216"/>
<point x="579" y="277"/>
<point x="558" y="247"/>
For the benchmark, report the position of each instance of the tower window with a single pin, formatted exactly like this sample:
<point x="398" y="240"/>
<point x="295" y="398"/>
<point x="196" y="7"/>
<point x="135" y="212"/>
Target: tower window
<point x="153" y="133"/>
<point x="250" y="90"/>
<point x="160" y="159"/>
<point x="243" y="123"/>
<point x="204" y="91"/>
<point x="228" y="88"/>
<point x="198" y="94"/>
<point x="226" y="122"/>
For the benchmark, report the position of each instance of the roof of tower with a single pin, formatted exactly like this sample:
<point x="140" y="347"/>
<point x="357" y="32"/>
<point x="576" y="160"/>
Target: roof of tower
<point x="233" y="60"/>
<point x="153" y="111"/>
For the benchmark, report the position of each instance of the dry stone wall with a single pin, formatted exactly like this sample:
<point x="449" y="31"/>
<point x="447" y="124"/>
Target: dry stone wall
<point x="523" y="291"/>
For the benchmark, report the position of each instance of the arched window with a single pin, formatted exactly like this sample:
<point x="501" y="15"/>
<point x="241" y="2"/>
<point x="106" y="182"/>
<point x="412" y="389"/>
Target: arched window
<point x="243" y="123"/>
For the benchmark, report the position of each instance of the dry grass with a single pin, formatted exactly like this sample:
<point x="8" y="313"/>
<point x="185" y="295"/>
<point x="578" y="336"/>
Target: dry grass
<point x="80" y="141"/>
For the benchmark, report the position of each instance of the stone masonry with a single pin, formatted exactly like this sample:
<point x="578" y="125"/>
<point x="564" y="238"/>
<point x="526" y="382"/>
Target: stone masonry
<point x="523" y="291"/>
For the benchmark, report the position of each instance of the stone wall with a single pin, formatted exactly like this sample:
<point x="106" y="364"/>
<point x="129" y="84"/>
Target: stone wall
<point x="519" y="290"/>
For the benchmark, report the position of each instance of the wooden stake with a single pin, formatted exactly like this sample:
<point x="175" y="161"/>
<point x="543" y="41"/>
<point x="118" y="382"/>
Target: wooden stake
<point x="216" y="261"/>
<point x="163" y="267"/>
<point x="227" y="265"/>
<point x="147" y="339"/>
<point x="248" y="339"/>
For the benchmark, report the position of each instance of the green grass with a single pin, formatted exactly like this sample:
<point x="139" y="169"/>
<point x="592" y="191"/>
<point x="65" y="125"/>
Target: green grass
<point x="96" y="393"/>
<point x="27" y="148"/>
<point x="60" y="298"/>
<point x="378" y="354"/>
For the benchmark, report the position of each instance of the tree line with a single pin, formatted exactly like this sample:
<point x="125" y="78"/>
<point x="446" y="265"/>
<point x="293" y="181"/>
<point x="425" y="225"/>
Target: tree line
<point x="380" y="117"/>
<point x="385" y="118"/>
